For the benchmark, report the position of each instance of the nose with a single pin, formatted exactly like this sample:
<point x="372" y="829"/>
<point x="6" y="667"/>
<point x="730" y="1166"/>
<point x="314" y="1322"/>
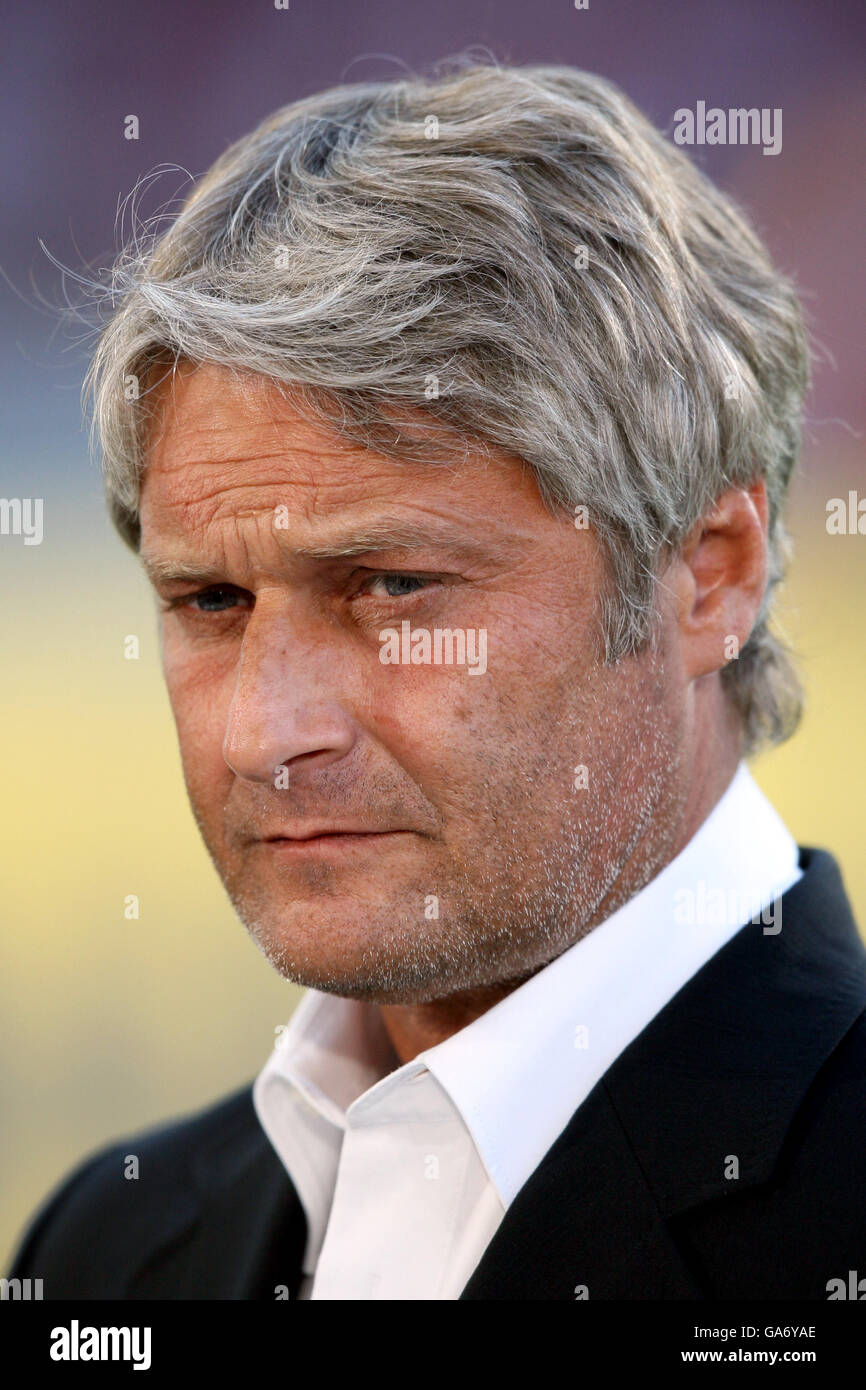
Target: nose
<point x="284" y="711"/>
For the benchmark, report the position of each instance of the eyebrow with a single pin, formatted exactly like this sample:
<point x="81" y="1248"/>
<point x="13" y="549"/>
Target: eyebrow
<point x="382" y="534"/>
<point x="161" y="570"/>
<point x="398" y="534"/>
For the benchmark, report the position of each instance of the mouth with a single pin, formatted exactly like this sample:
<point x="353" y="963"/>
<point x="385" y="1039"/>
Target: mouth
<point x="330" y="841"/>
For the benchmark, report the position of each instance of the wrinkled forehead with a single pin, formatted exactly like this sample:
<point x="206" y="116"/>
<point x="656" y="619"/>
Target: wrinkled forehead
<point x="206" y="412"/>
<point x="214" y="433"/>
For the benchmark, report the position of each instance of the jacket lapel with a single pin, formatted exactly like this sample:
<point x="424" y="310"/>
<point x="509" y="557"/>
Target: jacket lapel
<point x="719" y="1073"/>
<point x="238" y="1234"/>
<point x="584" y="1225"/>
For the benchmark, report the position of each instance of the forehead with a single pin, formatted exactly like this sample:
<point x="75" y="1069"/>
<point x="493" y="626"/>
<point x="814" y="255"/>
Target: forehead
<point x="223" y="445"/>
<point x="205" y="418"/>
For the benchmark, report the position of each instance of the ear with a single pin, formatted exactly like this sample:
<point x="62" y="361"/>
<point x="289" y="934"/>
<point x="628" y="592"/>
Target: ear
<point x="721" y="575"/>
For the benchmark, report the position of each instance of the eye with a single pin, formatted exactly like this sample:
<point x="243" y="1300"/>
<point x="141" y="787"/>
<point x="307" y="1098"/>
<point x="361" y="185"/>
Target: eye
<point x="397" y="585"/>
<point x="219" y="598"/>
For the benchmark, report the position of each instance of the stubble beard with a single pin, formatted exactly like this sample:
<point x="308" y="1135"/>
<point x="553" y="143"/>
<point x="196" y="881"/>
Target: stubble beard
<point x="529" y="893"/>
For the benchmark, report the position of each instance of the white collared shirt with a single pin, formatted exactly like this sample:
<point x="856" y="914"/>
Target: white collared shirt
<point x="406" y="1171"/>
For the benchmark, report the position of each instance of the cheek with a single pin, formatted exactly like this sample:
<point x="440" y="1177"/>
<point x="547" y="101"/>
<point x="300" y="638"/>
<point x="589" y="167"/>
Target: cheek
<point x="460" y="736"/>
<point x="427" y="718"/>
<point x="200" y="696"/>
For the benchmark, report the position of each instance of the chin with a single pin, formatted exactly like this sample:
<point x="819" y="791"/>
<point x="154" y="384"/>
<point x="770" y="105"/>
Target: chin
<point x="356" y="961"/>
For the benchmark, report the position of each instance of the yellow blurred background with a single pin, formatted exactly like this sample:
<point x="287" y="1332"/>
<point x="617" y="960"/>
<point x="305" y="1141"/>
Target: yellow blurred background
<point x="110" y="1025"/>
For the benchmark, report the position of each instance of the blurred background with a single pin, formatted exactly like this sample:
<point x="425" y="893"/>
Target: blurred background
<point x="111" y="1024"/>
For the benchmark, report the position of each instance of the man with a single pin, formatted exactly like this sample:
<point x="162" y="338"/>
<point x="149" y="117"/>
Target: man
<point x="453" y="422"/>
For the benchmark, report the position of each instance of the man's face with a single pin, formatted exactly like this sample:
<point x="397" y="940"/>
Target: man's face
<point x="397" y="832"/>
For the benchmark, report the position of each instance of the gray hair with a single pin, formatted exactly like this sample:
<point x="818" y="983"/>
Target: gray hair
<point x="496" y="258"/>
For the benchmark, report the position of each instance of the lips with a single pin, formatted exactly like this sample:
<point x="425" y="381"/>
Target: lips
<point x="325" y="832"/>
<point x="330" y="843"/>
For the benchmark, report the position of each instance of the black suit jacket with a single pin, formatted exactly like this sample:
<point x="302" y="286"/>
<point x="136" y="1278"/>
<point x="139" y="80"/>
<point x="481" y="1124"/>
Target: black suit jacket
<point x="760" y="1057"/>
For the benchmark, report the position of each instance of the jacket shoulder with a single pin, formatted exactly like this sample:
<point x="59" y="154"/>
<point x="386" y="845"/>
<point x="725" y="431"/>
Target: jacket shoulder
<point x="125" y="1199"/>
<point x="807" y="1227"/>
